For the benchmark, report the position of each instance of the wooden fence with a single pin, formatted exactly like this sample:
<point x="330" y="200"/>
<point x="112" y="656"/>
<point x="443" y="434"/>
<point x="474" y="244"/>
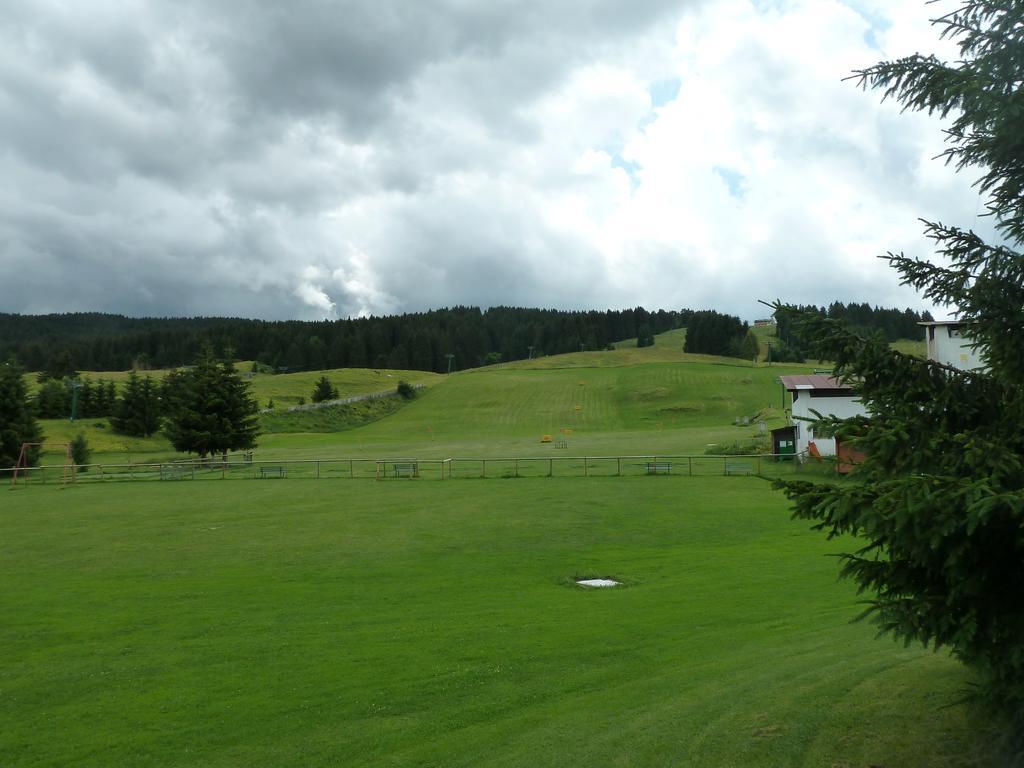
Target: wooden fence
<point x="400" y="468"/>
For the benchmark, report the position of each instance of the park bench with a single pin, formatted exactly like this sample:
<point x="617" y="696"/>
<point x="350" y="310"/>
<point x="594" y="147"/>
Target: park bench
<point x="658" y="468"/>
<point x="411" y="469"/>
<point x="738" y="467"/>
<point x="266" y="472"/>
<point x="175" y="471"/>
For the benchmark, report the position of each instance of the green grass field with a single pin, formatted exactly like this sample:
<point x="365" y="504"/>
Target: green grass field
<point x="422" y="623"/>
<point x="437" y="623"/>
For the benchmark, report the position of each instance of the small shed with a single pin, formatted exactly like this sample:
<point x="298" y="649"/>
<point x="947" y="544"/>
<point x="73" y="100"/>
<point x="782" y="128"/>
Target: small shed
<point x="784" y="442"/>
<point x="945" y="343"/>
<point x="828" y="396"/>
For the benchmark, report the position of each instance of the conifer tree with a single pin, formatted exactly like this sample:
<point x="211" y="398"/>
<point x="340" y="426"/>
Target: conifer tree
<point x="53" y="400"/>
<point x="209" y="409"/>
<point x="712" y="333"/>
<point x="86" y="395"/>
<point x="240" y="411"/>
<point x="137" y="412"/>
<point x="324" y="391"/>
<point x="81" y="453"/>
<point x="17" y="422"/>
<point x="940" y="502"/>
<point x="644" y="336"/>
<point x="109" y="397"/>
<point x="749" y="348"/>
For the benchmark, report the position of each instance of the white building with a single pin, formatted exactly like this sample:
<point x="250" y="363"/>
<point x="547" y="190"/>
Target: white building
<point x="827" y="396"/>
<point x="946" y="344"/>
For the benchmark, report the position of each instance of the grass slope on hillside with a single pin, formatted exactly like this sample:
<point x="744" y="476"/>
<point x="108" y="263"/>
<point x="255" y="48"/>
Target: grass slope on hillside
<point x="287" y="388"/>
<point x="333" y="418"/>
<point x="663" y="407"/>
<point x="668" y="348"/>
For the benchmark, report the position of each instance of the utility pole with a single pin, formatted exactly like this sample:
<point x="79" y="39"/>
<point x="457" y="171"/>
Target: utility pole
<point x="530" y="348"/>
<point x="450" y="357"/>
<point x="75" y="386"/>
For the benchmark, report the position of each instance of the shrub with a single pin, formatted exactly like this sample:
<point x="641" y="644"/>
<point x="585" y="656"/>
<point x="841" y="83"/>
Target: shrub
<point x="81" y="453"/>
<point x="738" y="448"/>
<point x="324" y="391"/>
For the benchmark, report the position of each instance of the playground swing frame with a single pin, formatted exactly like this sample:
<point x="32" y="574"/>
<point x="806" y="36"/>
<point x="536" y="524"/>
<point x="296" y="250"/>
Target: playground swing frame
<point x="70" y="470"/>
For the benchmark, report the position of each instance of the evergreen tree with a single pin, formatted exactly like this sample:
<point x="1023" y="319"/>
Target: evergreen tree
<point x="324" y="391"/>
<point x="240" y="411"/>
<point x="17" y="422"/>
<point x="749" y="348"/>
<point x="644" y="336"/>
<point x="137" y="412"/>
<point x="940" y="502"/>
<point x="60" y="366"/>
<point x="712" y="333"/>
<point x="81" y="453"/>
<point x="210" y="409"/>
<point x="53" y="400"/>
<point x="109" y="398"/>
<point x="85" y="406"/>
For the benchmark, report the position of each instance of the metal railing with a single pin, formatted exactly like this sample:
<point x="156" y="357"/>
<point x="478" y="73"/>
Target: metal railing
<point x="660" y="464"/>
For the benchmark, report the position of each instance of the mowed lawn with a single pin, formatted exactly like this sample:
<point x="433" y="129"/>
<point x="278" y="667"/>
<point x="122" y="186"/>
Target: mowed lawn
<point x="416" y="623"/>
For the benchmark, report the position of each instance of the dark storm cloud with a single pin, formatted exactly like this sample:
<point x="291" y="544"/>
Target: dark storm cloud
<point x="327" y="158"/>
<point x="149" y="145"/>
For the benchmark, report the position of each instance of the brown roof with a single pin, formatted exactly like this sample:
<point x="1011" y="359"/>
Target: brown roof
<point x="812" y="381"/>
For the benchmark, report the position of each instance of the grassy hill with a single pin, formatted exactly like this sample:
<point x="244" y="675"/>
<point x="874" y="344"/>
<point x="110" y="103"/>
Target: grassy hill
<point x="629" y="400"/>
<point x="287" y="388"/>
<point x="617" y="402"/>
<point x="668" y="348"/>
<point x="609" y="410"/>
<point x="621" y="401"/>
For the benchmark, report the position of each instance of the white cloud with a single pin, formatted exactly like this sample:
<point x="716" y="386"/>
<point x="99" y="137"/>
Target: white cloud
<point x="506" y="153"/>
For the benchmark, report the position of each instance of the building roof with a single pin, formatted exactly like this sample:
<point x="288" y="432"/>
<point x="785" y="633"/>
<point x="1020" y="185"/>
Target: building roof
<point x="813" y="381"/>
<point x="941" y="322"/>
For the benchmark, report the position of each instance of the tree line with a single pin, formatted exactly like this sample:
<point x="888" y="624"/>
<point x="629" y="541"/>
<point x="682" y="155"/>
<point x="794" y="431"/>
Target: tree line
<point x="861" y="319"/>
<point x="205" y="409"/>
<point x="61" y="343"/>
<point x="712" y="333"/>
<point x="59" y="398"/>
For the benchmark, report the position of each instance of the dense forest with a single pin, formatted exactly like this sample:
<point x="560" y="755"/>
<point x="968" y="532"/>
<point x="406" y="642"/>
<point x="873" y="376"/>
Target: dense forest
<point x="422" y="341"/>
<point x="890" y="324"/>
<point x="63" y="343"/>
<point x="712" y="333"/>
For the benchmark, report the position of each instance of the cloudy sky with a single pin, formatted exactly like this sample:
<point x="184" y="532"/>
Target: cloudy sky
<point x="329" y="159"/>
